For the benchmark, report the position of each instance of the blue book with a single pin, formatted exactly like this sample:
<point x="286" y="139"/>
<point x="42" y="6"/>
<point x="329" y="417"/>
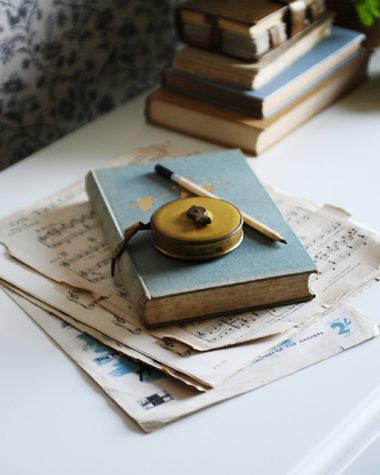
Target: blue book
<point x="259" y="273"/>
<point x="325" y="59"/>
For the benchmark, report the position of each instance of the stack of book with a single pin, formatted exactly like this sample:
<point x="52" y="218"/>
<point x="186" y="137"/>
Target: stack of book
<point x="253" y="71"/>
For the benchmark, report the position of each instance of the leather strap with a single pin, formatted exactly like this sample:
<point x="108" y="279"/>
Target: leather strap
<point x="128" y="233"/>
<point x="275" y="37"/>
<point x="316" y="9"/>
<point x="297" y="16"/>
<point x="215" y="33"/>
<point x="179" y="24"/>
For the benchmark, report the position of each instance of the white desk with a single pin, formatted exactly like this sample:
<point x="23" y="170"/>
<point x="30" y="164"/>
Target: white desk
<point x="54" y="419"/>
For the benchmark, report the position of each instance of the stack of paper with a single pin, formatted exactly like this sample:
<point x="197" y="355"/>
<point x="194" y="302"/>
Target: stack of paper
<point x="57" y="268"/>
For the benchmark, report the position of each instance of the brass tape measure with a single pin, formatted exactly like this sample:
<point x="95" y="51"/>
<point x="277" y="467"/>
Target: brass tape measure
<point x="195" y="228"/>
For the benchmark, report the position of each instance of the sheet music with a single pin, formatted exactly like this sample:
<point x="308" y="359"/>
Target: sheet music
<point x="210" y="368"/>
<point x="347" y="254"/>
<point x="59" y="237"/>
<point x="153" y="400"/>
<point x="119" y="347"/>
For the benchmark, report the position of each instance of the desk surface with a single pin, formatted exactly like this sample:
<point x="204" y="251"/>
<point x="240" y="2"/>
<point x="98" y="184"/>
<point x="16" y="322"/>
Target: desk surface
<point x="54" y="419"/>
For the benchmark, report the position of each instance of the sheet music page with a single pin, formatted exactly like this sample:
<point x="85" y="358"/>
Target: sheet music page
<point x="60" y="238"/>
<point x="347" y="253"/>
<point x="153" y="399"/>
<point x="115" y="345"/>
<point x="210" y="368"/>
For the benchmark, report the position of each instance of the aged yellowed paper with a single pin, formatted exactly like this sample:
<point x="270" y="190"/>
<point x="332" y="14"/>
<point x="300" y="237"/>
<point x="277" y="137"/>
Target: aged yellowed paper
<point x="154" y="399"/>
<point x="60" y="238"/>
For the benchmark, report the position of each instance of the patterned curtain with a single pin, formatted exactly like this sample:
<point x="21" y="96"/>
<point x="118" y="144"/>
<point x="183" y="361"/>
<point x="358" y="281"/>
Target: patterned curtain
<point x="64" y="62"/>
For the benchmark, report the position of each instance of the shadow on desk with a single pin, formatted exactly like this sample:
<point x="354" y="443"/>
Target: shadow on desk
<point x="366" y="98"/>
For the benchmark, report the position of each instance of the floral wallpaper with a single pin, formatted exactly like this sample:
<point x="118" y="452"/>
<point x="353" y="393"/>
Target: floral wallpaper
<point x="64" y="62"/>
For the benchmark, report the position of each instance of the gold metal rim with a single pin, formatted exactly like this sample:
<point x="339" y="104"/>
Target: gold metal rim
<point x="199" y="252"/>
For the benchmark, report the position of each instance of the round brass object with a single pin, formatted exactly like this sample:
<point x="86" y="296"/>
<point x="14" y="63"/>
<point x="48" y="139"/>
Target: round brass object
<point x="175" y="234"/>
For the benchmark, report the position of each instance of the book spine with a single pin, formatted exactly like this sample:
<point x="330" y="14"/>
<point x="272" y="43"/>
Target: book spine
<point x="104" y="215"/>
<point x="134" y="284"/>
<point x="130" y="277"/>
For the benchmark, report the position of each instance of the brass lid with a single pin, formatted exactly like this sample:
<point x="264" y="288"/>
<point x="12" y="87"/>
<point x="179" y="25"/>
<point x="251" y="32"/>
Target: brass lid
<point x="175" y="231"/>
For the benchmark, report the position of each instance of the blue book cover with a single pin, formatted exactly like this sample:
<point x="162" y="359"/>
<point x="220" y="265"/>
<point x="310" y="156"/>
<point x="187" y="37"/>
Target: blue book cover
<point x="332" y="53"/>
<point x="122" y="196"/>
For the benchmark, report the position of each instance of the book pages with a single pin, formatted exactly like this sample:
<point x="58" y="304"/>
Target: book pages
<point x="153" y="399"/>
<point x="60" y="238"/>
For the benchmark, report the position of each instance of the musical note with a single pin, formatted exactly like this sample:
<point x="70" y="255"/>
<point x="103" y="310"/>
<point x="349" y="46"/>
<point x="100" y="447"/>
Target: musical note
<point x="58" y="234"/>
<point x="81" y="299"/>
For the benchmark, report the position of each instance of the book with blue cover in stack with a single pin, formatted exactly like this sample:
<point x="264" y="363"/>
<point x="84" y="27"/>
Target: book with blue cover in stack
<point x="251" y="105"/>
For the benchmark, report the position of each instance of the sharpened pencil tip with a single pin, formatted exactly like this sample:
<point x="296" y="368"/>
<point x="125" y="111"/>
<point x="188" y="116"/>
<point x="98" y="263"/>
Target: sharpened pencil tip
<point x="284" y="241"/>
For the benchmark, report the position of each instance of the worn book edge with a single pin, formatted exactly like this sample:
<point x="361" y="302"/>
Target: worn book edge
<point x="249" y="75"/>
<point x="250" y="134"/>
<point x="227" y="300"/>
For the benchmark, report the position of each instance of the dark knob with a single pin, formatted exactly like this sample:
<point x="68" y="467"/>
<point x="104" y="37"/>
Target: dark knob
<point x="199" y="215"/>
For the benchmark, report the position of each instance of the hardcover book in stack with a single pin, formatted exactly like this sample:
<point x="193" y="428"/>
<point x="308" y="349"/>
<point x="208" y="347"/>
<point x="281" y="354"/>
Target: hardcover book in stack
<point x="251" y="72"/>
<point x="164" y="290"/>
